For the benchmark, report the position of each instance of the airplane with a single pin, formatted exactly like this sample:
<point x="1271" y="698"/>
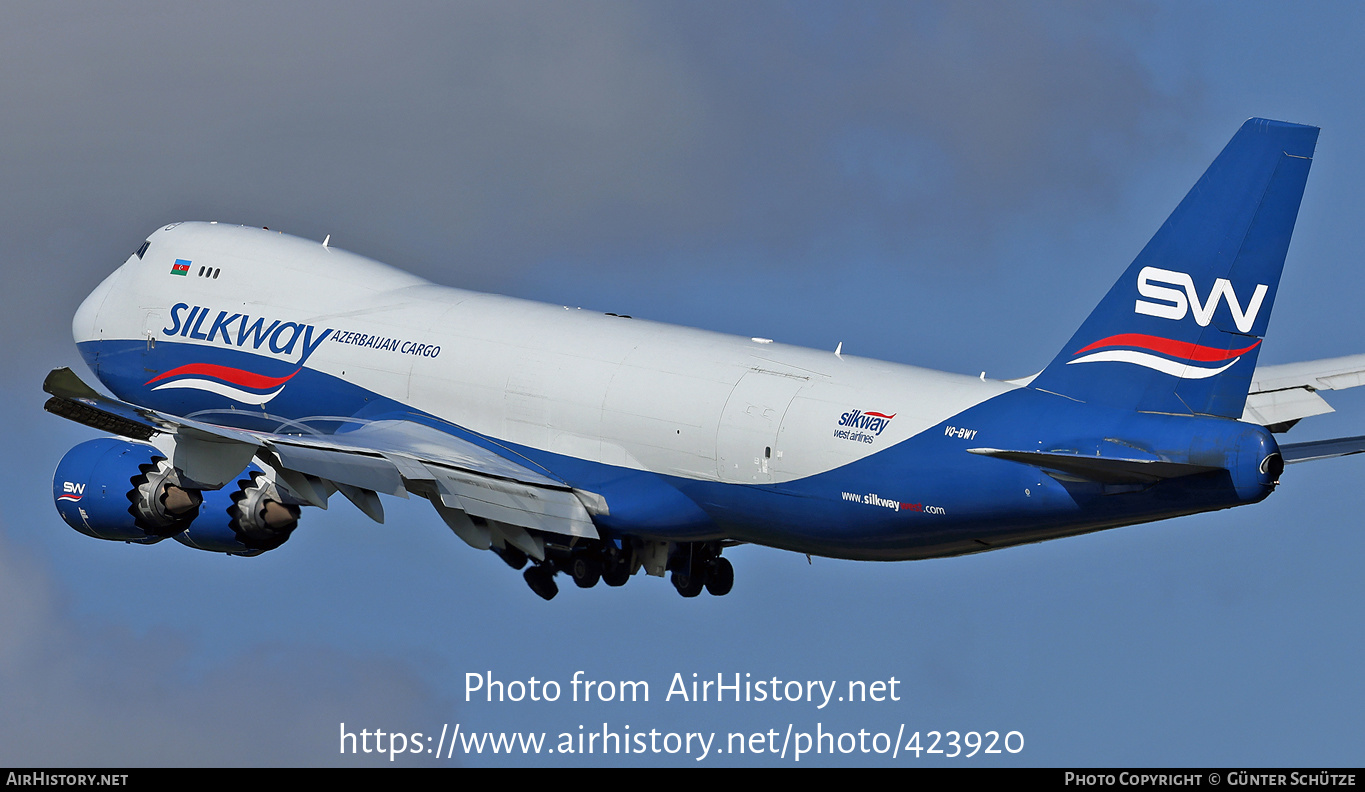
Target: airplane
<point x="254" y="373"/>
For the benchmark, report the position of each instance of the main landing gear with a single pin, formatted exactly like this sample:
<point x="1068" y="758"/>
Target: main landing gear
<point x="586" y="564"/>
<point x="541" y="579"/>
<point x="698" y="565"/>
<point x="605" y="562"/>
<point x="694" y="566"/>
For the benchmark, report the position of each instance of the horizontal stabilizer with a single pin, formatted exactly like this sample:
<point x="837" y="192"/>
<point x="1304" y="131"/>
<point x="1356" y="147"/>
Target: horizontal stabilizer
<point x="1104" y="470"/>
<point x="1284" y="394"/>
<point x="1279" y="410"/>
<point x="1327" y="374"/>
<point x="1322" y="449"/>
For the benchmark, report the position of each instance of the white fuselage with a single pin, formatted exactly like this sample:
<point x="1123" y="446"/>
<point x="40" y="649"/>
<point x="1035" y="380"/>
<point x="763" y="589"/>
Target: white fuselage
<point x="618" y="391"/>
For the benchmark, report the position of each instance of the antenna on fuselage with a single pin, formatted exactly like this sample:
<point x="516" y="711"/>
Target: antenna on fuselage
<point x="326" y="239"/>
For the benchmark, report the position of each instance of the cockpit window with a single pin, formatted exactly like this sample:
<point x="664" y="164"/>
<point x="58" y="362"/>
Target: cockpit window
<point x="144" y="247"/>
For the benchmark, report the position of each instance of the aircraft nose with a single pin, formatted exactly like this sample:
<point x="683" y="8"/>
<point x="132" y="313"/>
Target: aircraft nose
<point x="85" y="326"/>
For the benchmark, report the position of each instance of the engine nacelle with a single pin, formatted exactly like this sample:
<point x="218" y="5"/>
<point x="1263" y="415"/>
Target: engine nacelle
<point x="120" y="490"/>
<point x="245" y="518"/>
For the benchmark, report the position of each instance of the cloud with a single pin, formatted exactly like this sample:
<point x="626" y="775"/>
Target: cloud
<point x="81" y="693"/>
<point x="514" y="132"/>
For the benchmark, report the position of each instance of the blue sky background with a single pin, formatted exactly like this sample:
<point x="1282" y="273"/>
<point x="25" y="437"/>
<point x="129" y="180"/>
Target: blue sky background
<point x="948" y="185"/>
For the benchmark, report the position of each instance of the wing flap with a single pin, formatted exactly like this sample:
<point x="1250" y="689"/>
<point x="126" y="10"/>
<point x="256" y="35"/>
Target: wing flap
<point x="554" y="510"/>
<point x="366" y="500"/>
<point x="343" y="467"/>
<point x="434" y="445"/>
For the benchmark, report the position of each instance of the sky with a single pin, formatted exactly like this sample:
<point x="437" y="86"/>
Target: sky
<point x="949" y="185"/>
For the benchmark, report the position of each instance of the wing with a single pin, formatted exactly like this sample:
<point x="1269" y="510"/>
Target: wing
<point x="488" y="497"/>
<point x="1283" y="395"/>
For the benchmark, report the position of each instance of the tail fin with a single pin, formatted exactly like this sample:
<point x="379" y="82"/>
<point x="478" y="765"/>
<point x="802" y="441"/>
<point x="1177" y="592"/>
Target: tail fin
<point x="1181" y="330"/>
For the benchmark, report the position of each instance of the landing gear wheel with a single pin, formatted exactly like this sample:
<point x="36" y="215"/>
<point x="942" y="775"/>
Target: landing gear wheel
<point x="586" y="571"/>
<point x="720" y="578"/>
<point x="616" y="574"/>
<point x="616" y="568"/>
<point x="687" y="585"/>
<point x="542" y="581"/>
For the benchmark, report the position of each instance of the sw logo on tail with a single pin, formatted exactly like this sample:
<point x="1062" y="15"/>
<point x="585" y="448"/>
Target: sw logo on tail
<point x="1175" y="305"/>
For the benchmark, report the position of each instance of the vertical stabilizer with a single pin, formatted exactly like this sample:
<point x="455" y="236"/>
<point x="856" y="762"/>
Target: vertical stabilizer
<point x="1181" y="330"/>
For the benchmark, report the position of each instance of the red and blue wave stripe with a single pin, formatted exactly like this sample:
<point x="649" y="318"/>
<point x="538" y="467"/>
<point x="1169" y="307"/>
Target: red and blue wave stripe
<point x="237" y="384"/>
<point x="1176" y="358"/>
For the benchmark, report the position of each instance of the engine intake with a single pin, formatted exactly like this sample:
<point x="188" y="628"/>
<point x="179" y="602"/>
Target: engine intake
<point x="246" y="520"/>
<point x="121" y="490"/>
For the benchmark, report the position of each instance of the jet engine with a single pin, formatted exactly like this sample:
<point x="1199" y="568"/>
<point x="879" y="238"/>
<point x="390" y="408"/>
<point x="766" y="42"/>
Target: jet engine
<point x="246" y="518"/>
<point x="127" y="491"/>
<point x="120" y="490"/>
